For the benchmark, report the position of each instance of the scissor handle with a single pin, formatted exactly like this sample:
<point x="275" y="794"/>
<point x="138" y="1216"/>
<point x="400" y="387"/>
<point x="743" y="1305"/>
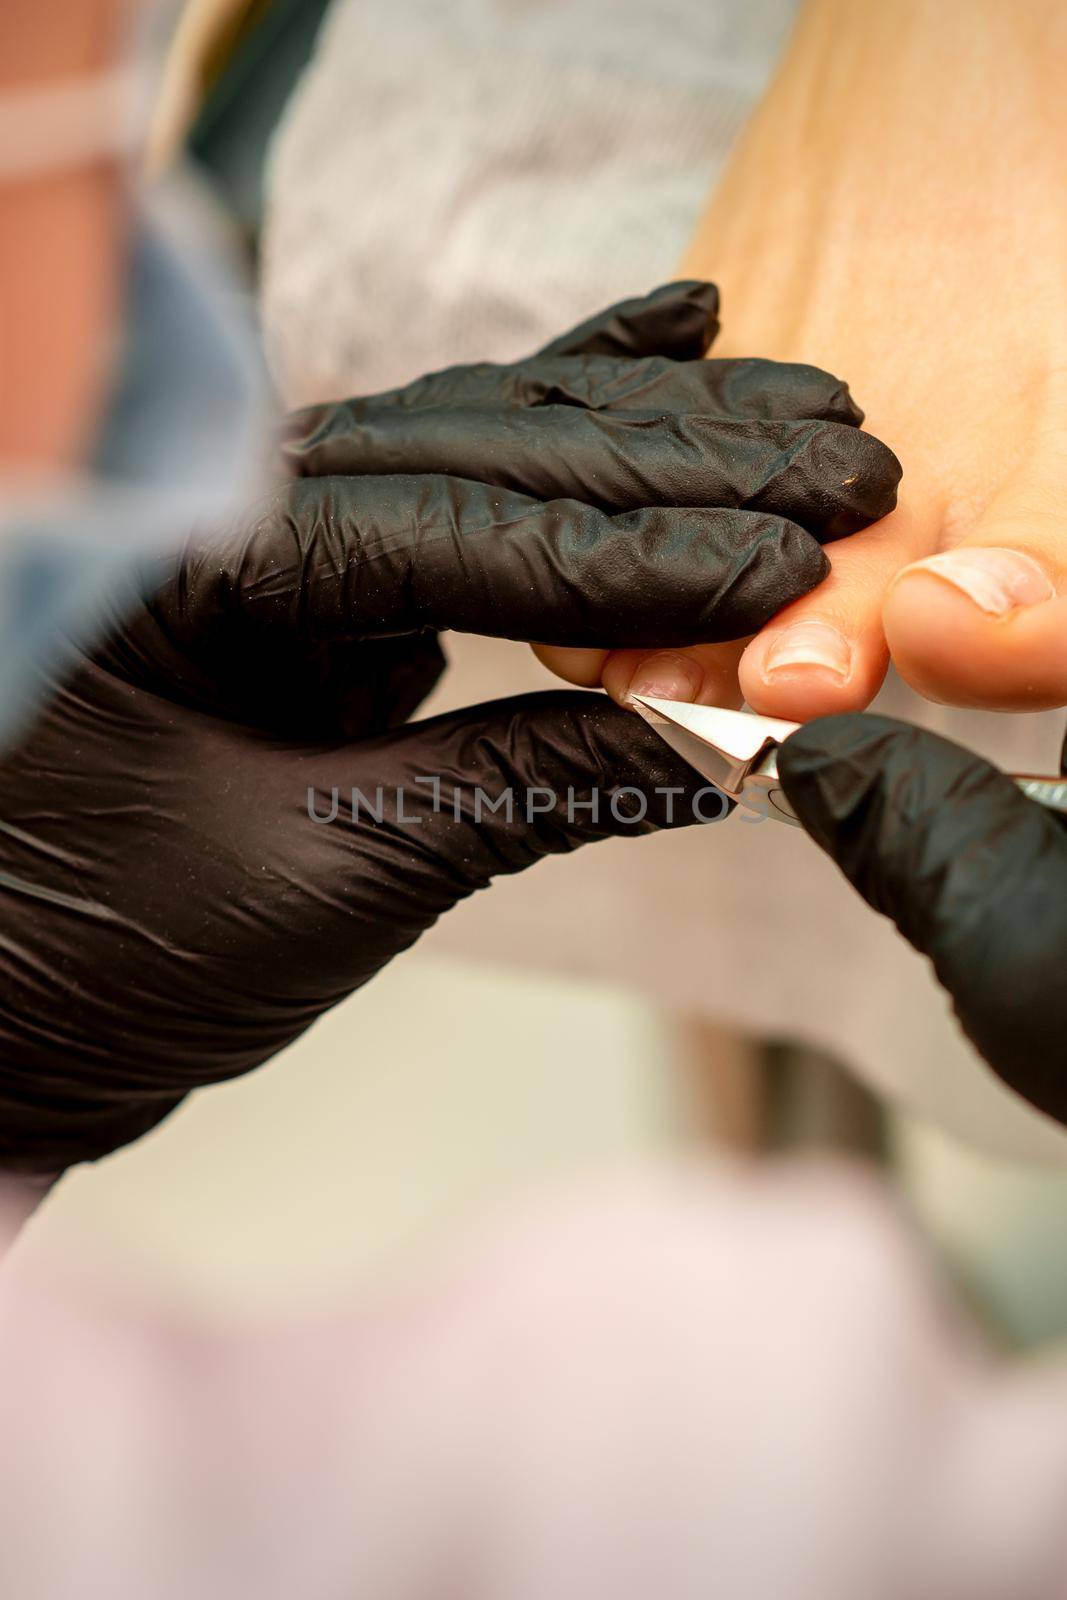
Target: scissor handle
<point x="763" y="794"/>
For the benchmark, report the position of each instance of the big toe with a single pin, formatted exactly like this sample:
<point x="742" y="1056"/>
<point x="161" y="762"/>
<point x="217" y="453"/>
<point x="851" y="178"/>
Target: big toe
<point x="984" y="624"/>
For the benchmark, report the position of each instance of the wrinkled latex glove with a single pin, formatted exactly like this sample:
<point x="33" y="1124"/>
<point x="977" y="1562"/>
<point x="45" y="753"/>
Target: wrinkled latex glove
<point x="790" y="435"/>
<point x="171" y="914"/>
<point x="973" y="874"/>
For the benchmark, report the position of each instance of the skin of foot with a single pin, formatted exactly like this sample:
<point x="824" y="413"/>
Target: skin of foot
<point x="895" y="214"/>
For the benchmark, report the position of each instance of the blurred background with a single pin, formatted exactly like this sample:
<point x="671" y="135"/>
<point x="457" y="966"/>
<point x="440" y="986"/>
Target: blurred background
<point x="400" y="1120"/>
<point x="401" y="1117"/>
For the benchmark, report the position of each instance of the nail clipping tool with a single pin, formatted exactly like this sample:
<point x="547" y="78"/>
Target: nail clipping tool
<point x="737" y="751"/>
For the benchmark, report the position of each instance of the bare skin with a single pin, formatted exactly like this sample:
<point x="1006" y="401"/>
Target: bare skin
<point x="895" y="213"/>
<point x="61" y="245"/>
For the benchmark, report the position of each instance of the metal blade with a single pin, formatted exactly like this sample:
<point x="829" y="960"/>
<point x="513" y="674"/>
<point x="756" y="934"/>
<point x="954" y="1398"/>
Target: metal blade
<point x="723" y="746"/>
<point x="729" y="748"/>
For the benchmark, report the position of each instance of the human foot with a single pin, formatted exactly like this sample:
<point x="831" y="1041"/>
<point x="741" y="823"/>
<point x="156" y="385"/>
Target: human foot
<point x="895" y="215"/>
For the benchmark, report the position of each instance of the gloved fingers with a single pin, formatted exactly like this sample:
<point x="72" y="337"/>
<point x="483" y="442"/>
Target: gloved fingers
<point x="325" y="439"/>
<point x="901" y="809"/>
<point x="830" y="478"/>
<point x="764" y="391"/>
<point x="973" y="874"/>
<point x="341" y="689"/>
<point x="339" y="558"/>
<point x="494" y="788"/>
<point x="679" y="320"/>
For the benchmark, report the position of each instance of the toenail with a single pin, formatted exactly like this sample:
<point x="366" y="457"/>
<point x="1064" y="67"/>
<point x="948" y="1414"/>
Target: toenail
<point x="996" y="580"/>
<point x="813" y="646"/>
<point x="668" y="677"/>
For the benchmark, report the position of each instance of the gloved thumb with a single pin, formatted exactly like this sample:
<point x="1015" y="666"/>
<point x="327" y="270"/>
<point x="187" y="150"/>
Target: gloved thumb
<point x="972" y="873"/>
<point x="493" y="789"/>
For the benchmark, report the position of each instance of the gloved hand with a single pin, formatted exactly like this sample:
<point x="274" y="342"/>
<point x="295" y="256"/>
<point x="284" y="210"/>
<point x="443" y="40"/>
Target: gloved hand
<point x="972" y="873"/>
<point x="171" y="913"/>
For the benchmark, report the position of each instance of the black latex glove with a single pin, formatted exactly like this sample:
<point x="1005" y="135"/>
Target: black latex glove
<point x="971" y="872"/>
<point x="169" y="913"/>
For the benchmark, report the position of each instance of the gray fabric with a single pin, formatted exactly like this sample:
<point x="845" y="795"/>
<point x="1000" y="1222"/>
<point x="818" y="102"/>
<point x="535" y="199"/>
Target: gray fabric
<point x="463" y="180"/>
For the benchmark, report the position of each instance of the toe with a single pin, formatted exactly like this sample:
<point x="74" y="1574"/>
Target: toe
<point x="984" y="623"/>
<point x="982" y="626"/>
<point x="827" y="652"/>
<point x="582" y="667"/>
<point x="703" y="674"/>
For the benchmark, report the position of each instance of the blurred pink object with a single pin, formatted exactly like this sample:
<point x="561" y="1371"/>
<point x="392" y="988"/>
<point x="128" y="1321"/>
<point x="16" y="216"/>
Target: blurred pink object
<point x="679" y="1386"/>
